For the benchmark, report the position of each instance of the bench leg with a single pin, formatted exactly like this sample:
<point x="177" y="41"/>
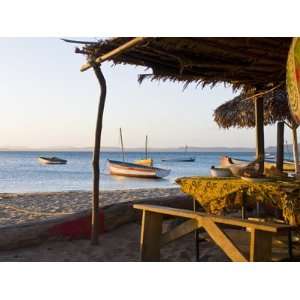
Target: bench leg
<point x="150" y="236"/>
<point x="260" y="245"/>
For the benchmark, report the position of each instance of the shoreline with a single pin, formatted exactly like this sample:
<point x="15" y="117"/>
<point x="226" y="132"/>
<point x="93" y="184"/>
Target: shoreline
<point x="20" y="208"/>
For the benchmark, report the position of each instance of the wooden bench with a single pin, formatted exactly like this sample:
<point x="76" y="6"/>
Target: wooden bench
<point x="152" y="238"/>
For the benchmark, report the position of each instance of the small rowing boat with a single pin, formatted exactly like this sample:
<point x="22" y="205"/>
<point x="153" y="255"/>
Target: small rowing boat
<point x="135" y="170"/>
<point x="52" y="160"/>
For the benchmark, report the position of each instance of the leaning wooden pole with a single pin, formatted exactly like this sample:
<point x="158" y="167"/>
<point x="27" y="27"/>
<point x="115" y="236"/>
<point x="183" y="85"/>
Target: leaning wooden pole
<point x="280" y="146"/>
<point x="260" y="143"/>
<point x="96" y="156"/>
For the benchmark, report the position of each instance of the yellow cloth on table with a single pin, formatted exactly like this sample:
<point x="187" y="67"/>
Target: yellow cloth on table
<point x="217" y="195"/>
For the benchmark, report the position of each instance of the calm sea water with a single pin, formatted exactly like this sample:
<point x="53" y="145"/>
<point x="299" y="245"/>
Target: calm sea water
<point x="21" y="172"/>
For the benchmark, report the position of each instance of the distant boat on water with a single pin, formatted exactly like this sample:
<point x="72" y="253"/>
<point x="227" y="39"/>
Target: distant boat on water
<point x="52" y="160"/>
<point x="180" y="159"/>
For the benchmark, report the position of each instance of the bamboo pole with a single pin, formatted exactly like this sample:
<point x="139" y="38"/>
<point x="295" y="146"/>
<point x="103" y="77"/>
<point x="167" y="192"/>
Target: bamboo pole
<point x="259" y="122"/>
<point x="96" y="156"/>
<point x="296" y="150"/>
<point x="280" y="146"/>
<point x="112" y="53"/>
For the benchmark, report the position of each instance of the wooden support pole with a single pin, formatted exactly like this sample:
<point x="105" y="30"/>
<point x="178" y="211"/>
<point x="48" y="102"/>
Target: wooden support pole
<point x="259" y="122"/>
<point x="296" y="150"/>
<point x="280" y="146"/>
<point x="133" y="42"/>
<point x="150" y="236"/>
<point x="260" y="245"/>
<point x="96" y="156"/>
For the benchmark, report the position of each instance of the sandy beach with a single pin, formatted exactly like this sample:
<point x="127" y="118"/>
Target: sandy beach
<point x="19" y="208"/>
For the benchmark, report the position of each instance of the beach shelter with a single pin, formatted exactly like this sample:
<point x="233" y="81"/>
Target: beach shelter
<point x="240" y="113"/>
<point x="255" y="64"/>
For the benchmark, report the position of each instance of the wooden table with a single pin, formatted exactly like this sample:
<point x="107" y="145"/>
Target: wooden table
<point x="260" y="247"/>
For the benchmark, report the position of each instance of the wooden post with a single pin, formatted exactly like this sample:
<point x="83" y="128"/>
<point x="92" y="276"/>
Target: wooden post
<point x="259" y="122"/>
<point x="280" y="146"/>
<point x="96" y="156"/>
<point x="260" y="245"/>
<point x="150" y="236"/>
<point x="296" y="150"/>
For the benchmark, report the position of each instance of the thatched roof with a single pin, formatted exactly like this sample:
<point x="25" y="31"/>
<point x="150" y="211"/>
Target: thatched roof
<point x="241" y="113"/>
<point x="244" y="62"/>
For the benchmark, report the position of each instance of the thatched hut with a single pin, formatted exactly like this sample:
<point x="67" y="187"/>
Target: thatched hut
<point x="255" y="64"/>
<point x="240" y="113"/>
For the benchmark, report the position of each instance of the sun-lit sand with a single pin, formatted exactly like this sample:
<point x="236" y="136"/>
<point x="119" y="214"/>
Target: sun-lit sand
<point x="17" y="208"/>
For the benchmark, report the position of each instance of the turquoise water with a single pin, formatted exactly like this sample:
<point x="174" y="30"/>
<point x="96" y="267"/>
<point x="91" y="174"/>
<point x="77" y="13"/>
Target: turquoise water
<point x="21" y="172"/>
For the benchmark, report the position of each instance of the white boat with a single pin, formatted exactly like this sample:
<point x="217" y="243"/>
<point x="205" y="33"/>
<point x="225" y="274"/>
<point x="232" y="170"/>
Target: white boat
<point x="135" y="170"/>
<point x="52" y="160"/>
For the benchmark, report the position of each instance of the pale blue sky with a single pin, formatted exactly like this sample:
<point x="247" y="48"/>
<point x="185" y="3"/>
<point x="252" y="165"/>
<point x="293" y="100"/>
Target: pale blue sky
<point x="47" y="101"/>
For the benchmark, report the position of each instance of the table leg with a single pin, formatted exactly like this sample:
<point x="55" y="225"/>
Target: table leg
<point x="150" y="236"/>
<point x="260" y="245"/>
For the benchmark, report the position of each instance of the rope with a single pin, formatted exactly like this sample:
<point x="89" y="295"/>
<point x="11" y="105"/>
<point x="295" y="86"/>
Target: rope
<point x="31" y="212"/>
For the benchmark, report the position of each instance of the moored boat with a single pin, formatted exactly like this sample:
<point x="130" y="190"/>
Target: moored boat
<point x="178" y="159"/>
<point x="52" y="160"/>
<point x="144" y="162"/>
<point x="226" y="161"/>
<point x="135" y="170"/>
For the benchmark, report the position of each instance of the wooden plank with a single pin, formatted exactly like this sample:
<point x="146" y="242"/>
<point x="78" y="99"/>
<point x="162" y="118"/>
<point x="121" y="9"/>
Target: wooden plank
<point x="179" y="231"/>
<point x="223" y="241"/>
<point x="113" y="52"/>
<point x="260" y="245"/>
<point x="150" y="236"/>
<point x="184" y="213"/>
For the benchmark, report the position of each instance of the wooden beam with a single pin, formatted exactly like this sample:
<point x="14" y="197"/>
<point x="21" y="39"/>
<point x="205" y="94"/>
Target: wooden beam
<point x="179" y="231"/>
<point x="96" y="156"/>
<point x="113" y="53"/>
<point x="259" y="122"/>
<point x="280" y="146"/>
<point x="260" y="245"/>
<point x="150" y="236"/>
<point x="223" y="241"/>
<point x="199" y="216"/>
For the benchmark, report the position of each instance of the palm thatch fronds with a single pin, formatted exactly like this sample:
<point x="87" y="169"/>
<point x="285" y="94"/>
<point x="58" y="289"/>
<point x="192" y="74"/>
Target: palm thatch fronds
<point x="242" y="62"/>
<point x="241" y="113"/>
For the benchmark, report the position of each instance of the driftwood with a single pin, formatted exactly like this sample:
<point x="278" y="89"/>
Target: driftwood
<point x="32" y="233"/>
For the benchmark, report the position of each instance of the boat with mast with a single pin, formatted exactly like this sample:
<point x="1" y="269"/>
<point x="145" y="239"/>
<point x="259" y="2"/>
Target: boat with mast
<point x="128" y="169"/>
<point x="180" y="159"/>
<point x="146" y="161"/>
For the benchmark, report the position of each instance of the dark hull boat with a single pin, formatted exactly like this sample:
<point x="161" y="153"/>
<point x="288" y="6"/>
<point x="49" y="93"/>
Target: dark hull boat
<point x="187" y="159"/>
<point x="52" y="160"/>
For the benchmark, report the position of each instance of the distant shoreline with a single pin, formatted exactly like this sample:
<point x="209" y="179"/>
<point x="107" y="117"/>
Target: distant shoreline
<point x="115" y="149"/>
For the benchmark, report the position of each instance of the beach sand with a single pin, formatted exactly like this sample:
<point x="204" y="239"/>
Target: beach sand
<point x="121" y="244"/>
<point x="19" y="208"/>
